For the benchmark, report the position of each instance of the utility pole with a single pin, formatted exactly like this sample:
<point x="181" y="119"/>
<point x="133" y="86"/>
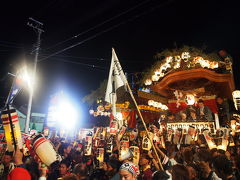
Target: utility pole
<point x="36" y="25"/>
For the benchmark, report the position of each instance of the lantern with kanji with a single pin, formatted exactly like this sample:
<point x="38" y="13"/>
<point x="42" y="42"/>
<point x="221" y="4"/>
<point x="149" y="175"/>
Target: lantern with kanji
<point x="136" y="154"/>
<point x="146" y="142"/>
<point x="88" y="146"/>
<point x="100" y="158"/>
<point x="45" y="150"/>
<point x="12" y="129"/>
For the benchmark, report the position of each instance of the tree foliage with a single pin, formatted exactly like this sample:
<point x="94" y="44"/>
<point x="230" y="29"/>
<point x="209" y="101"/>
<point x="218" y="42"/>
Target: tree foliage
<point x="96" y="94"/>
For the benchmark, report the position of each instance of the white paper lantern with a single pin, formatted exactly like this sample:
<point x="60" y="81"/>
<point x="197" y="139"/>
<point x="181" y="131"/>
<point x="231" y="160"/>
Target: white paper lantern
<point x="148" y="82"/>
<point x="45" y="151"/>
<point x="204" y="63"/>
<point x="164" y="107"/>
<point x="156" y="104"/>
<point x="160" y="105"/>
<point x="155" y="78"/>
<point x="150" y="102"/>
<point x="162" y="74"/>
<point x="164" y="67"/>
<point x="176" y="66"/>
<point x="236" y="99"/>
<point x="236" y="94"/>
<point x="185" y="56"/>
<point x="136" y="154"/>
<point x="158" y="72"/>
<point x="169" y="59"/>
<point x="177" y="58"/>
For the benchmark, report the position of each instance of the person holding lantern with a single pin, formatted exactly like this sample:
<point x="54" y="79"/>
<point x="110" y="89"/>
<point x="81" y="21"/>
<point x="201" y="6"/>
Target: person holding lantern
<point x="145" y="167"/>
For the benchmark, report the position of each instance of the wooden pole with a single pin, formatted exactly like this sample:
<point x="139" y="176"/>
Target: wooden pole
<point x="120" y="72"/>
<point x="144" y="124"/>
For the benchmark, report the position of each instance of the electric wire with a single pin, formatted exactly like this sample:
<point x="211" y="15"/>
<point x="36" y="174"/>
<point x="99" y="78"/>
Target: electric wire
<point x="104" y="31"/>
<point x="92" y="58"/>
<point x="86" y="64"/>
<point x="98" y="25"/>
<point x="77" y="57"/>
<point x="79" y="63"/>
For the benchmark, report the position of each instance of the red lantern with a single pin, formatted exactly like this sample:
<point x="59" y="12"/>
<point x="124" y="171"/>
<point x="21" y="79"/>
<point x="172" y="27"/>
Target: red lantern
<point x="223" y="53"/>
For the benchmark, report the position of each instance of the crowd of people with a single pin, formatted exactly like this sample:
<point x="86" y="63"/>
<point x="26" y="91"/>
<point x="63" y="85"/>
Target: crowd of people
<point x="187" y="162"/>
<point x="193" y="161"/>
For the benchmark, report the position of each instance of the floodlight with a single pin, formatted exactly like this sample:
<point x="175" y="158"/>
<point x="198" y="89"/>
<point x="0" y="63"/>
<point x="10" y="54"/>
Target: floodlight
<point x="66" y="115"/>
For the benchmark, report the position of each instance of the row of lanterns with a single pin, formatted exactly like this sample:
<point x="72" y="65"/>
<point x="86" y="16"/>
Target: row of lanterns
<point x="205" y="63"/>
<point x="157" y="105"/>
<point x="99" y="113"/>
<point x="159" y="73"/>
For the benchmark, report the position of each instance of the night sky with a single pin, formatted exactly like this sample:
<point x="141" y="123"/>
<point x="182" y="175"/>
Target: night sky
<point x="137" y="29"/>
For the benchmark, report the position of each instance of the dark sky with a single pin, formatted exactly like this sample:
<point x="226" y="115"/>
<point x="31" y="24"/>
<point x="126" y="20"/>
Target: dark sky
<point x="139" y="30"/>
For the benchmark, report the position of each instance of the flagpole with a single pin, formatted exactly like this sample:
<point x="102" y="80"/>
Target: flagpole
<point x="144" y="124"/>
<point x="120" y="71"/>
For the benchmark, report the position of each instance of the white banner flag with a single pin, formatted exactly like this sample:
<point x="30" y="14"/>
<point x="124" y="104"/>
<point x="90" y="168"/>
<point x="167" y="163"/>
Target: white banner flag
<point x="116" y="79"/>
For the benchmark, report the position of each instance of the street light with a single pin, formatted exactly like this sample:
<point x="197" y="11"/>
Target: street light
<point x="24" y="75"/>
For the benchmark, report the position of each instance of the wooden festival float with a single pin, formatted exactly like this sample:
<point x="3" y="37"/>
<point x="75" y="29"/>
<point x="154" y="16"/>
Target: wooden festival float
<point x="183" y="78"/>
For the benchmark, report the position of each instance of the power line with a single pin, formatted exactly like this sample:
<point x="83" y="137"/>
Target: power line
<point x="79" y="63"/>
<point x="98" y="25"/>
<point x="92" y="58"/>
<point x="81" y="42"/>
<point x="104" y="31"/>
<point x="95" y="67"/>
<point x="84" y="64"/>
<point x="78" y="57"/>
